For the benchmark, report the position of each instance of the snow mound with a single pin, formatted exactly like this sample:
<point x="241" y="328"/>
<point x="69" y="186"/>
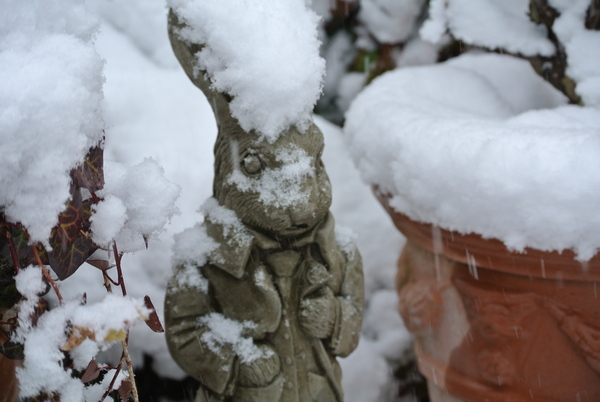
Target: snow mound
<point x="264" y="54"/>
<point x="50" y="106"/>
<point x="139" y="202"/>
<point x="579" y="44"/>
<point x="456" y="148"/>
<point x="488" y="23"/>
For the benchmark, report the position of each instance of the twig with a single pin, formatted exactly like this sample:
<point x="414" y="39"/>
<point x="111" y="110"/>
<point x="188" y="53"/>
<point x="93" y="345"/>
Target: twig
<point x="119" y="270"/>
<point x="107" y="277"/>
<point x="112" y="382"/>
<point x="13" y="250"/>
<point x="129" y="363"/>
<point x="124" y="343"/>
<point x="47" y="274"/>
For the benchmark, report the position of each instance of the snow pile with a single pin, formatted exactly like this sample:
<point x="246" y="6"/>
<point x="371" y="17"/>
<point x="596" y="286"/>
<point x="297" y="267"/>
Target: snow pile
<point x="224" y="331"/>
<point x="506" y="25"/>
<point x="579" y="44"/>
<point x="390" y="21"/>
<point x="139" y="203"/>
<point x="456" y="148"/>
<point x="50" y="106"/>
<point x="263" y="54"/>
<point x="280" y="186"/>
<point x="488" y="23"/>
<point x="144" y="22"/>
<point x="94" y="327"/>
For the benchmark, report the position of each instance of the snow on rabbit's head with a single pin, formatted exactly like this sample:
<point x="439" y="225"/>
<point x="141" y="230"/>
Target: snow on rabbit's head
<point x="274" y="183"/>
<point x="281" y="188"/>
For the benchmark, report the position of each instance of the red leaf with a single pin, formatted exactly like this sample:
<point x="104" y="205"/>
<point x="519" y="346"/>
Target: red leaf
<point x="91" y="372"/>
<point x="125" y="390"/>
<point x="152" y="321"/>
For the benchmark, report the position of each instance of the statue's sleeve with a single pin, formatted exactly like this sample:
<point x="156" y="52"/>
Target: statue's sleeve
<point x="350" y="305"/>
<point x="186" y="303"/>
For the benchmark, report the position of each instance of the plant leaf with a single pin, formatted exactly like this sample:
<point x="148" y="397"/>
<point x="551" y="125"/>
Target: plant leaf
<point x="91" y="372"/>
<point x="76" y="338"/>
<point x="124" y="390"/>
<point x="90" y="173"/>
<point x="115" y="335"/>
<point x="152" y="321"/>
<point x="12" y="350"/>
<point x="70" y="247"/>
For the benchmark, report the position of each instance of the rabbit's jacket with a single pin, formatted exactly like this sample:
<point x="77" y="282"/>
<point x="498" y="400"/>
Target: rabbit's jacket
<point x="264" y="282"/>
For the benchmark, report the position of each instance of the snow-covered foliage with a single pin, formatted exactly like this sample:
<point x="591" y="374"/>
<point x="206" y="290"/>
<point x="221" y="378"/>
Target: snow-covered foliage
<point x="506" y="25"/>
<point x="50" y="106"/>
<point x="51" y="119"/>
<point x="481" y="144"/>
<point x="263" y="54"/>
<point x="488" y="23"/>
<point x="139" y="203"/>
<point x="94" y="327"/>
<point x="579" y="44"/>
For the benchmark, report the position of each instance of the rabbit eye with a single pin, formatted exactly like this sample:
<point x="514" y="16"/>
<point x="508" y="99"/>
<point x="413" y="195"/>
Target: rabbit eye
<point x="252" y="164"/>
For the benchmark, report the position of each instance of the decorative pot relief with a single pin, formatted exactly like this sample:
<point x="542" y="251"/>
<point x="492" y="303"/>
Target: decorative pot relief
<point x="491" y="325"/>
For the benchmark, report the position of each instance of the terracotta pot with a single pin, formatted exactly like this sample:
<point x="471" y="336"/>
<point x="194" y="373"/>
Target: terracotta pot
<point x="495" y="325"/>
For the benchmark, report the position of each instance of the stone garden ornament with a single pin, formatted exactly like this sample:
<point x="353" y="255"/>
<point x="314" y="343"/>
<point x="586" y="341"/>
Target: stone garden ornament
<point x="263" y="312"/>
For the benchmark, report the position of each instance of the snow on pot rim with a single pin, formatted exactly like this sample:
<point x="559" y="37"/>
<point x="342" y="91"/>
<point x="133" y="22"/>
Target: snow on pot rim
<point x="482" y="145"/>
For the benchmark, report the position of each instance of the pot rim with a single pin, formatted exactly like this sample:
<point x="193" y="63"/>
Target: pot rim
<point x="473" y="249"/>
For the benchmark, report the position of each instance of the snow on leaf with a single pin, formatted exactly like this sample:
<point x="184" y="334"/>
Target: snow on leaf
<point x="90" y="173"/>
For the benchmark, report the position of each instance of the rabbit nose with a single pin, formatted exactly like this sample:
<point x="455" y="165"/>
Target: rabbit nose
<point x="299" y="216"/>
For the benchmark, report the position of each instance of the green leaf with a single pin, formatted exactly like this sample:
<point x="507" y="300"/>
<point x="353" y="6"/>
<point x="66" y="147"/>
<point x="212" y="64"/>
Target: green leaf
<point x="9" y="296"/>
<point x="12" y="350"/>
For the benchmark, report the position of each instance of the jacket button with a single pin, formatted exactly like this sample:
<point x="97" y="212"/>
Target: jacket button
<point x="289" y="385"/>
<point x="286" y="336"/>
<point x="288" y="360"/>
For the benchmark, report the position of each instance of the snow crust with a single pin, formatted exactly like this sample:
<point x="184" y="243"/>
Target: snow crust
<point x="264" y="54"/>
<point x="488" y="23"/>
<point x="231" y="225"/>
<point x="456" y="148"/>
<point x="50" y="106"/>
<point x="346" y="240"/>
<point x="224" y="331"/>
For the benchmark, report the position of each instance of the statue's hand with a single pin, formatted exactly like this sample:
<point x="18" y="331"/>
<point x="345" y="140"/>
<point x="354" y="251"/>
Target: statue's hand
<point x="262" y="371"/>
<point x="318" y="313"/>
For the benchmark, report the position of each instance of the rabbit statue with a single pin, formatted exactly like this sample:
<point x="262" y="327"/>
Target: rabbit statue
<point x="280" y="296"/>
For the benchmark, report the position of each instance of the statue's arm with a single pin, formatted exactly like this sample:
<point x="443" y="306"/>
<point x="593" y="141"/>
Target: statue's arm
<point x="349" y="306"/>
<point x="184" y="308"/>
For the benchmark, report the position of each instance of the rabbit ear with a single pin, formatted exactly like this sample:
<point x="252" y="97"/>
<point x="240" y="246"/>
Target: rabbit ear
<point x="186" y="55"/>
